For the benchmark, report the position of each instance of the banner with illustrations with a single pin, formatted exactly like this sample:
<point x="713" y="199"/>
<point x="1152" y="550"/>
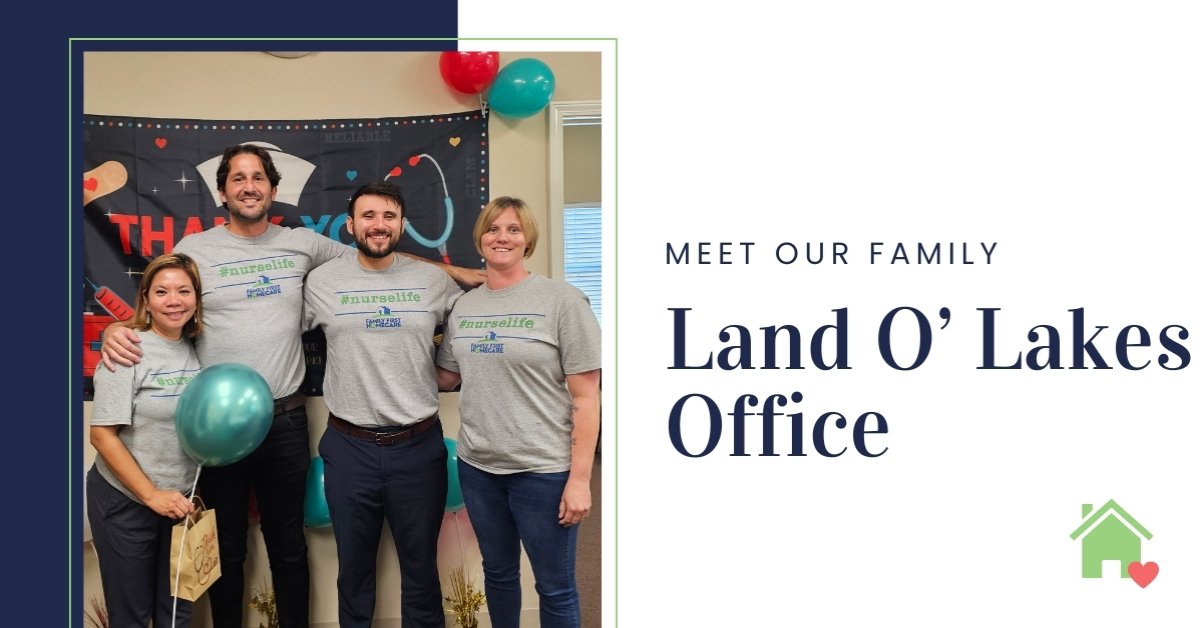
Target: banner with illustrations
<point x="148" y="182"/>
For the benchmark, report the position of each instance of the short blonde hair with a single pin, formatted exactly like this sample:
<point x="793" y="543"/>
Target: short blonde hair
<point x="141" y="317"/>
<point x="493" y="211"/>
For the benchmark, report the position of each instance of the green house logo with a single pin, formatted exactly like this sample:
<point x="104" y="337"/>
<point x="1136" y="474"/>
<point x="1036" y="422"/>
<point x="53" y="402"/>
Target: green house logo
<point x="1110" y="533"/>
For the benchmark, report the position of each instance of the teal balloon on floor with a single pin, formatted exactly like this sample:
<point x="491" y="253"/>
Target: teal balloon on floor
<point x="454" y="498"/>
<point x="224" y="414"/>
<point x="316" y="508"/>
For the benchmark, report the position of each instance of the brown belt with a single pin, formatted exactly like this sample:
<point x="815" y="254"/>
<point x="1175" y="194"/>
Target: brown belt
<point x="289" y="403"/>
<point x="382" y="438"/>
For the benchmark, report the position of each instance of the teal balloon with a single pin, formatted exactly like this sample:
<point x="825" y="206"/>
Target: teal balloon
<point x="224" y="414"/>
<point x="316" y="508"/>
<point x="522" y="88"/>
<point x="454" y="498"/>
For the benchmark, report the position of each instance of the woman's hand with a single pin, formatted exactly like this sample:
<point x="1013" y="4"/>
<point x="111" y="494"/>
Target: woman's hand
<point x="576" y="503"/>
<point x="170" y="504"/>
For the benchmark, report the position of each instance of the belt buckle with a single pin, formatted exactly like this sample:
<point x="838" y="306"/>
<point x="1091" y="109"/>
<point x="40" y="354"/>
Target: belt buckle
<point x="379" y="439"/>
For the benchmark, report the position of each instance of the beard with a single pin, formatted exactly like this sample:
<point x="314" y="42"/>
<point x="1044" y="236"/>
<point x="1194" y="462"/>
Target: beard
<point x="368" y="248"/>
<point x="238" y="212"/>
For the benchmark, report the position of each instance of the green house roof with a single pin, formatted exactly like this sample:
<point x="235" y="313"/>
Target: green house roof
<point x="1102" y="511"/>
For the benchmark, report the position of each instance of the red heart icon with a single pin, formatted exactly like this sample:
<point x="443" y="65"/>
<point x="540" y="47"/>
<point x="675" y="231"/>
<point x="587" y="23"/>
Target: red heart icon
<point x="412" y="161"/>
<point x="395" y="172"/>
<point x="90" y="184"/>
<point x="1143" y="575"/>
<point x="160" y="142"/>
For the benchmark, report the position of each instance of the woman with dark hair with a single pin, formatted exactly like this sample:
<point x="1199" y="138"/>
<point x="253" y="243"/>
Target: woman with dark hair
<point x="137" y="489"/>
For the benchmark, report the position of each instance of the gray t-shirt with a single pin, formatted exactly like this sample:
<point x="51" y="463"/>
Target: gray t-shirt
<point x="254" y="296"/>
<point x="379" y="327"/>
<point x="141" y="398"/>
<point x="514" y="348"/>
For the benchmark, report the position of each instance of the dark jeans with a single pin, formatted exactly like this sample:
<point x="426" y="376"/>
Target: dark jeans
<point x="522" y="508"/>
<point x="404" y="483"/>
<point x="133" y="546"/>
<point x="278" y="472"/>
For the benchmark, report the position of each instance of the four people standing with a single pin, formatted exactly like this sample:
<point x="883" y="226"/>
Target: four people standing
<point x="530" y="401"/>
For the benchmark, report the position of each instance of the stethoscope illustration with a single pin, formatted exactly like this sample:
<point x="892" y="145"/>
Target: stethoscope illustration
<point x="440" y="242"/>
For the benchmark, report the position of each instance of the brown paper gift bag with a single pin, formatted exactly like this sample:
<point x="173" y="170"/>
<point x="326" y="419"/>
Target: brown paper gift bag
<point x="201" y="558"/>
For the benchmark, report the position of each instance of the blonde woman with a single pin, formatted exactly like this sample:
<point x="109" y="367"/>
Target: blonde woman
<point x="526" y="350"/>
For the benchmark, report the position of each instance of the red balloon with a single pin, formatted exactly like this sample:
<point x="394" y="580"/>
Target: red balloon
<point x="469" y="72"/>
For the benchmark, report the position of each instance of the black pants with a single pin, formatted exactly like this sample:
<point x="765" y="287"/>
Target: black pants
<point x="133" y="546"/>
<point x="405" y="483"/>
<point x="277" y="471"/>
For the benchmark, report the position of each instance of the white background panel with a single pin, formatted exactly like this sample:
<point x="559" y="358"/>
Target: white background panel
<point x="1067" y="133"/>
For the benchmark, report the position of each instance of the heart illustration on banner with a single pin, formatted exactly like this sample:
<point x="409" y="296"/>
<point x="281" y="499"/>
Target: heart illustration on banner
<point x="395" y="172"/>
<point x="412" y="161"/>
<point x="91" y="184"/>
<point x="1143" y="575"/>
<point x="455" y="140"/>
<point x="352" y="174"/>
<point x="160" y="142"/>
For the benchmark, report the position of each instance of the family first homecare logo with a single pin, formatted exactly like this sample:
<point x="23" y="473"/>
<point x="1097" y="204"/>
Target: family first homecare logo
<point x="488" y="344"/>
<point x="263" y="287"/>
<point x="382" y="318"/>
<point x="1112" y="534"/>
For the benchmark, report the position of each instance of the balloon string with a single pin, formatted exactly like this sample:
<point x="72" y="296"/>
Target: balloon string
<point x="192" y="495"/>
<point x="179" y="561"/>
